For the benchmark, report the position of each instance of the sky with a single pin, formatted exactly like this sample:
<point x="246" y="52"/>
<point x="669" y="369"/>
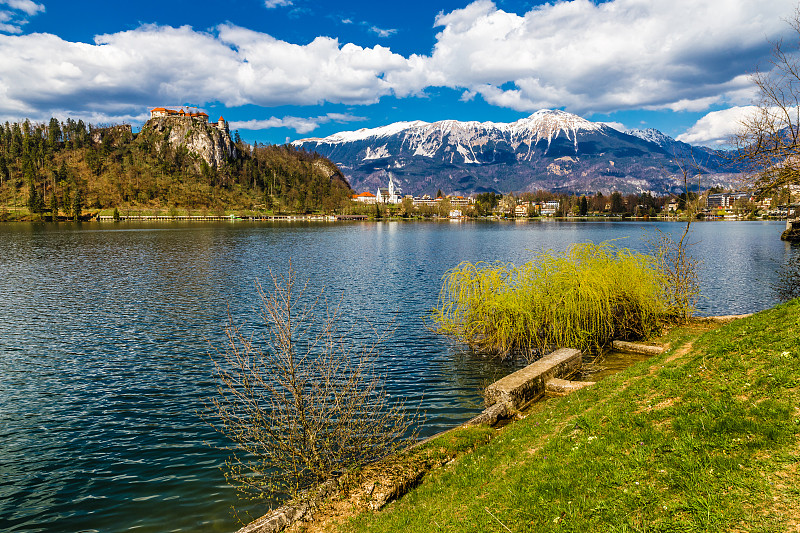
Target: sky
<point x="282" y="70"/>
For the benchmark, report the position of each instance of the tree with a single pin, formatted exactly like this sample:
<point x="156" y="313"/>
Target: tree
<point x="53" y="206"/>
<point x="617" y="204"/>
<point x="302" y="406"/>
<point x="584" y="207"/>
<point x="407" y="207"/>
<point x="682" y="288"/>
<point x="77" y="203"/>
<point x="53" y="133"/>
<point x="35" y="200"/>
<point x="769" y="139"/>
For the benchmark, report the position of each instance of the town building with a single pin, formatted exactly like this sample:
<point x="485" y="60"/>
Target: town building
<point x="548" y="209"/>
<point x="365" y="197"/>
<point x="391" y="195"/>
<point x="727" y="199"/>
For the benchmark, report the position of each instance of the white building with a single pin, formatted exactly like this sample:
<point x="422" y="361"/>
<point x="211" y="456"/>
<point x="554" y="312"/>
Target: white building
<point x="392" y="195"/>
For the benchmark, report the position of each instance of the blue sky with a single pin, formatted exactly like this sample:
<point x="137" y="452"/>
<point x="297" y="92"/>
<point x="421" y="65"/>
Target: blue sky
<point x="282" y="70"/>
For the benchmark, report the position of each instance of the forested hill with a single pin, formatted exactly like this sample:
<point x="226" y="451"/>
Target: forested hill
<point x="71" y="168"/>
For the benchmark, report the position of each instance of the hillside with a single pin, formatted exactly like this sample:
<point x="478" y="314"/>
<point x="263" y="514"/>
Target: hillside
<point x="173" y="164"/>
<point x="549" y="150"/>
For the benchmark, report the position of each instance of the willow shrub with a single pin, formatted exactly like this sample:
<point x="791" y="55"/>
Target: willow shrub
<point x="581" y="298"/>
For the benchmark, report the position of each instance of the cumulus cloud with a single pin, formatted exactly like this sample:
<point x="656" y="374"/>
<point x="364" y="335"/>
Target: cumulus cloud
<point x="619" y="126"/>
<point x="154" y="64"/>
<point x="577" y="55"/>
<point x="16" y="14"/>
<point x="299" y="124"/>
<point x="716" y="128"/>
<point x="26" y="6"/>
<point x="600" y="57"/>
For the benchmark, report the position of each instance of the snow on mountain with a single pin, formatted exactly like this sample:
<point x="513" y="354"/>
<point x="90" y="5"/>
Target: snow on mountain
<point x="550" y="149"/>
<point x="652" y="135"/>
<point x="424" y="138"/>
<point x="364" y="133"/>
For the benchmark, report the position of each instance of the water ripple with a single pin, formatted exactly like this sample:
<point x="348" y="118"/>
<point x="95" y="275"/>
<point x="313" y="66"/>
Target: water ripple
<point x="106" y="331"/>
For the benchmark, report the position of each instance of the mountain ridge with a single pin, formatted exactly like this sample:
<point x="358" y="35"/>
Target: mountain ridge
<point x="550" y="149"/>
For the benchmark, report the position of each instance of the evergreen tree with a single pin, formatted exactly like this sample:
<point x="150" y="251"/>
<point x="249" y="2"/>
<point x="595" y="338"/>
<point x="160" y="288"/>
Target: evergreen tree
<point x="77" y="204"/>
<point x="35" y="200"/>
<point x="617" y="204"/>
<point x="54" y="133"/>
<point x="53" y="207"/>
<point x="584" y="207"/>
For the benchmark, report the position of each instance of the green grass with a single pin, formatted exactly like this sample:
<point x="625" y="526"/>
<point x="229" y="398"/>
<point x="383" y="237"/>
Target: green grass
<point x="581" y="298"/>
<point x="705" y="440"/>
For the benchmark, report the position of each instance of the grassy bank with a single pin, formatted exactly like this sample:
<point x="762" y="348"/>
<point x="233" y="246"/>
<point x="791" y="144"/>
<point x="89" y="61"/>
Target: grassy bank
<point x="701" y="438"/>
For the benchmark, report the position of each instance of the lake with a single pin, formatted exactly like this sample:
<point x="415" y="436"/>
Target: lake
<point x="106" y="330"/>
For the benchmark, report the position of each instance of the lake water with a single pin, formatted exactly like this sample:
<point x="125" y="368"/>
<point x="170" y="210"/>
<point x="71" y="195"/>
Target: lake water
<point x="105" y="331"/>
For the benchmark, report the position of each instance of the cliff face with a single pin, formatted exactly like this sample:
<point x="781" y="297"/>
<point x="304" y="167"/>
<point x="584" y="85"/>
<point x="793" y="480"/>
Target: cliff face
<point x="207" y="141"/>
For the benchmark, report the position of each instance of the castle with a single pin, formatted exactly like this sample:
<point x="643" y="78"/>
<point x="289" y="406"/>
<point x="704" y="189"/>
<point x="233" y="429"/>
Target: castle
<point x="197" y="115"/>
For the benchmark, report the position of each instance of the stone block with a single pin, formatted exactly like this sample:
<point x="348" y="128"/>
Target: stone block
<point x="525" y="385"/>
<point x="635" y="347"/>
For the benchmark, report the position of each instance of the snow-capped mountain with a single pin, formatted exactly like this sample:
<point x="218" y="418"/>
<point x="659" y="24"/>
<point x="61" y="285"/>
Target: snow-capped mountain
<point x="551" y="150"/>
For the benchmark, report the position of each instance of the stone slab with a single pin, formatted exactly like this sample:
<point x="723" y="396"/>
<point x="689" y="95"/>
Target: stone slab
<point x="635" y="347"/>
<point x="491" y="415"/>
<point x="565" y="386"/>
<point x="529" y="383"/>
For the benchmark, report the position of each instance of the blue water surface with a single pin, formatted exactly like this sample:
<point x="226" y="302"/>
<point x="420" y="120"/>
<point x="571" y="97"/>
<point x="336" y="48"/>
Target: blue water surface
<point x="106" y="330"/>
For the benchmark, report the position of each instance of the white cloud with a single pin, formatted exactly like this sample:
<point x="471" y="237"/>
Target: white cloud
<point x="619" y="126"/>
<point x="299" y="124"/>
<point x="716" y="128"/>
<point x="129" y="70"/>
<point x="380" y="32"/>
<point x="26" y="6"/>
<point x="272" y="4"/>
<point x="578" y="55"/>
<point x="601" y="57"/>
<point x="16" y="16"/>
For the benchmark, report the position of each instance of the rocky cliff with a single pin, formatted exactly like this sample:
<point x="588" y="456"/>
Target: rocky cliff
<point x="205" y="140"/>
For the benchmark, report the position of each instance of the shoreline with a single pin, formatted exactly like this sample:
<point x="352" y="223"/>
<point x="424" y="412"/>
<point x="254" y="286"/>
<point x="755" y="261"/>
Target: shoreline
<point x="96" y="217"/>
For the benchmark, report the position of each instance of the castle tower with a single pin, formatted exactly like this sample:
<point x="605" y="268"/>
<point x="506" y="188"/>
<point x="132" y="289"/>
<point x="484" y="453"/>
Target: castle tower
<point x="221" y="123"/>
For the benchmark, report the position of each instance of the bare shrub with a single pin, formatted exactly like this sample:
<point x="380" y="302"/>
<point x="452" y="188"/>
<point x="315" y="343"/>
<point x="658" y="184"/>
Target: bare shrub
<point x="300" y="406"/>
<point x="679" y="268"/>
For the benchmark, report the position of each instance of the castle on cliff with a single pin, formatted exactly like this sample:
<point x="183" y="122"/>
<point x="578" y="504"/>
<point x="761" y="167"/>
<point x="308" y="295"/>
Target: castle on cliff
<point x="194" y="115"/>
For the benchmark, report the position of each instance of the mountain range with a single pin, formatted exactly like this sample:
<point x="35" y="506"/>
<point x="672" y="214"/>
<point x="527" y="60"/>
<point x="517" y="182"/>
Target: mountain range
<point x="550" y="150"/>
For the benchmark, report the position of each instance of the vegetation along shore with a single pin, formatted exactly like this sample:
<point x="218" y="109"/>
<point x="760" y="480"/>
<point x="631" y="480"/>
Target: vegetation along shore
<point x="703" y="437"/>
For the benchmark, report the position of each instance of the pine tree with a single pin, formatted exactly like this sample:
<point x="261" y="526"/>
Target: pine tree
<point x="53" y="207"/>
<point x="35" y="200"/>
<point x="77" y="204"/>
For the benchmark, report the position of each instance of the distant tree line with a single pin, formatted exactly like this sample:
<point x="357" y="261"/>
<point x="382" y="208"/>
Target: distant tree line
<point x="581" y="205"/>
<point x="64" y="168"/>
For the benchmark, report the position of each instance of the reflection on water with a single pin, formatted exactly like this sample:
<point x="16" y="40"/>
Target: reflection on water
<point x="106" y="330"/>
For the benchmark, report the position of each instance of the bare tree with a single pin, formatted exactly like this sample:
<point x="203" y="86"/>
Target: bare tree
<point x="676" y="263"/>
<point x="769" y="139"/>
<point x="300" y="406"/>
